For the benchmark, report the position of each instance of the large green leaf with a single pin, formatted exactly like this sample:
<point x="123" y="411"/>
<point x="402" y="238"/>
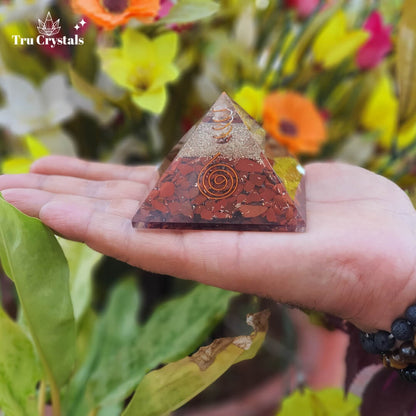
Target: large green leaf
<point x="33" y="259"/>
<point x="186" y="11"/>
<point x="81" y="261"/>
<point x="114" y="368"/>
<point x="115" y="329"/>
<point x="174" y="330"/>
<point x="406" y="60"/>
<point x="165" y="390"/>
<point x="19" y="370"/>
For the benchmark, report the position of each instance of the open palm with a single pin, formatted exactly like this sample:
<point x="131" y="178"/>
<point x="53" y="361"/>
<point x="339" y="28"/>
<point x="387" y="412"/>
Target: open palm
<point x="357" y="258"/>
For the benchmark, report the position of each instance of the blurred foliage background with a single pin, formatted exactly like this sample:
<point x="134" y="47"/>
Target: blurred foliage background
<point x="330" y="79"/>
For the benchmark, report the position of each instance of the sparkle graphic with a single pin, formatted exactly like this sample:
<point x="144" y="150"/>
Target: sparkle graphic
<point x="48" y="27"/>
<point x="80" y="24"/>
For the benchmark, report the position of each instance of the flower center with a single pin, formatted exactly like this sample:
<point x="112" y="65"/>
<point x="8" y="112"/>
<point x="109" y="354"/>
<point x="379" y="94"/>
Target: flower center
<point x="115" y="6"/>
<point x="288" y="128"/>
<point x="141" y="79"/>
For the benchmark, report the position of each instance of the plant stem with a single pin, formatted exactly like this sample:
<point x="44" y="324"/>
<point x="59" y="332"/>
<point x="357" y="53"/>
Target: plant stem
<point x="56" y="400"/>
<point x="41" y="398"/>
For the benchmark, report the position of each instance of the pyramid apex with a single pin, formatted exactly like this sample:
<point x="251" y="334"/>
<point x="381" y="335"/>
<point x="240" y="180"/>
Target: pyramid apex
<point x="225" y="100"/>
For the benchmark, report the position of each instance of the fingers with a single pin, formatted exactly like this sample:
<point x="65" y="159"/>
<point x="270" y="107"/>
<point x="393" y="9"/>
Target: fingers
<point x="111" y="189"/>
<point x="31" y="201"/>
<point x="68" y="166"/>
<point x="253" y="262"/>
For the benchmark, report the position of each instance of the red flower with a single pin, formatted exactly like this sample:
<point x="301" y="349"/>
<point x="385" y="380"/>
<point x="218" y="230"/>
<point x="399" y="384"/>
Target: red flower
<point x="378" y="45"/>
<point x="303" y="7"/>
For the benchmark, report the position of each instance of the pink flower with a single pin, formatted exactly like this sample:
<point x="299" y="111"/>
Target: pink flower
<point x="165" y="6"/>
<point x="378" y="45"/>
<point x="303" y="7"/>
<point x="164" y="10"/>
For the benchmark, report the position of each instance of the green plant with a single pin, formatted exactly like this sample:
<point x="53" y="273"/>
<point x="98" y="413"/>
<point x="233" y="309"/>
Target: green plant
<point x="61" y="351"/>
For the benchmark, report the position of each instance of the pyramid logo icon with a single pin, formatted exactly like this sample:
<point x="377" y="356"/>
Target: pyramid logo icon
<point x="219" y="178"/>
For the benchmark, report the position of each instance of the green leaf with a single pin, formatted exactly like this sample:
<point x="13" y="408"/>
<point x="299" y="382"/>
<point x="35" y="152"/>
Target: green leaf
<point x="115" y="329"/>
<point x="82" y="261"/>
<point x="174" y="330"/>
<point x="390" y="9"/>
<point x="113" y="410"/>
<point x="19" y="370"/>
<point x="165" y="390"/>
<point x="328" y="402"/>
<point x="33" y="259"/>
<point x="186" y="11"/>
<point x="84" y="59"/>
<point x="16" y="59"/>
<point x="85" y="88"/>
<point x="406" y="60"/>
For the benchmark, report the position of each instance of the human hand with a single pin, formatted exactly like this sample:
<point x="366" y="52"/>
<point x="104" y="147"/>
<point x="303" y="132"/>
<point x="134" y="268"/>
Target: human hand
<point x="356" y="260"/>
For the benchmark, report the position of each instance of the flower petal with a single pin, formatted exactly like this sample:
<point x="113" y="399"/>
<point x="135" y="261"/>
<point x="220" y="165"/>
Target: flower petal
<point x="24" y="105"/>
<point x="381" y="110"/>
<point x="57" y="104"/>
<point x="345" y="48"/>
<point x="166" y="46"/>
<point x="335" y="43"/>
<point x="164" y="75"/>
<point x="153" y="101"/>
<point x="136" y="47"/>
<point x="116" y="66"/>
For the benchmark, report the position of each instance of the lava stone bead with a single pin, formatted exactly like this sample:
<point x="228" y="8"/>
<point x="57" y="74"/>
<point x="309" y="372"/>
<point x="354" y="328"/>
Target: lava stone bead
<point x="367" y="341"/>
<point x="411" y="314"/>
<point x="384" y="341"/>
<point x="402" y="329"/>
<point x="409" y="374"/>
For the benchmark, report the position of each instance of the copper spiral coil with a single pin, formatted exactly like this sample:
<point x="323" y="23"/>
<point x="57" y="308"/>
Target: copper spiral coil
<point x="224" y="124"/>
<point x="217" y="180"/>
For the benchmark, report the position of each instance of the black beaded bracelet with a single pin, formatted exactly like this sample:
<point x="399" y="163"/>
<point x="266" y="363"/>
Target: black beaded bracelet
<point x="397" y="347"/>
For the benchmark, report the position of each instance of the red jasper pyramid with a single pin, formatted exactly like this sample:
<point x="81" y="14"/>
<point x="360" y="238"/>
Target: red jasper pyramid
<point x="222" y="180"/>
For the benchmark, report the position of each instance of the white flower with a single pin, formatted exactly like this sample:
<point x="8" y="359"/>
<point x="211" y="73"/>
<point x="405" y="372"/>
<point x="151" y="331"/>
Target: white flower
<point x="23" y="10"/>
<point x="38" y="110"/>
<point x="29" y="109"/>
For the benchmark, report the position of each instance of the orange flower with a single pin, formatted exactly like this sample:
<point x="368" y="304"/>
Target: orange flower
<point x="112" y="13"/>
<point x="294" y="121"/>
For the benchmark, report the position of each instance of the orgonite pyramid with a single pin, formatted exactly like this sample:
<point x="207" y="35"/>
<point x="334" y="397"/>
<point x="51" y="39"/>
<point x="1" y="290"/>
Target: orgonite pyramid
<point x="221" y="179"/>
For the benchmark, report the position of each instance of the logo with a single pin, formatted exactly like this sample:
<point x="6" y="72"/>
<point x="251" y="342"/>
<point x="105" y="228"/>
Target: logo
<point x="48" y="29"/>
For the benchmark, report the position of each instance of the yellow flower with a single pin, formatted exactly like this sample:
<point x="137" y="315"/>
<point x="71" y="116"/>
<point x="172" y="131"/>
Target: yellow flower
<point x="292" y="60"/>
<point x="335" y="42"/>
<point x="407" y="133"/>
<point x="21" y="164"/>
<point x="143" y="66"/>
<point x="380" y="112"/>
<point x="328" y="402"/>
<point x="251" y="99"/>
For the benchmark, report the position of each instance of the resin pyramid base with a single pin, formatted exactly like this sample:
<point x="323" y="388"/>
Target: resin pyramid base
<point x="252" y="198"/>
